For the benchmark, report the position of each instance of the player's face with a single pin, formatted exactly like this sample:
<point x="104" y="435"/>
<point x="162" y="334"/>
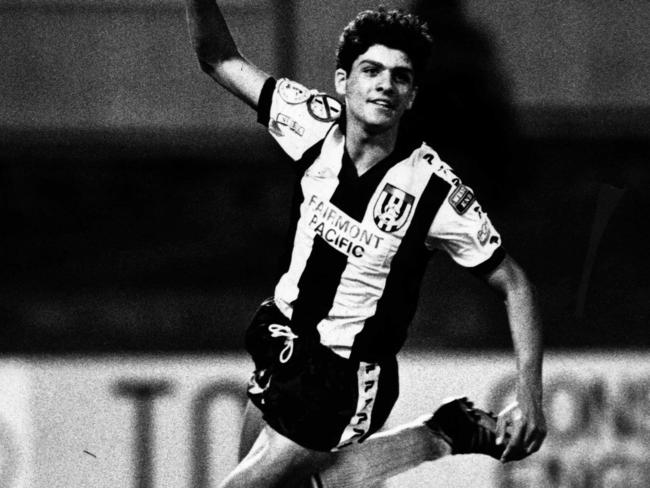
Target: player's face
<point x="379" y="88"/>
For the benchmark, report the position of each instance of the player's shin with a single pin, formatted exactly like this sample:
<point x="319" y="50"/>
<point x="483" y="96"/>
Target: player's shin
<point x="381" y="456"/>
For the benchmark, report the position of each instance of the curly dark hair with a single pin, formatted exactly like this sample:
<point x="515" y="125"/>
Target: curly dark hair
<point x="392" y="28"/>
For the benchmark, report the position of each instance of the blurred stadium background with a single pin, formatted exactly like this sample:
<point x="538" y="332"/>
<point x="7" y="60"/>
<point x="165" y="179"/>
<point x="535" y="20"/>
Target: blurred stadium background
<point x="143" y="208"/>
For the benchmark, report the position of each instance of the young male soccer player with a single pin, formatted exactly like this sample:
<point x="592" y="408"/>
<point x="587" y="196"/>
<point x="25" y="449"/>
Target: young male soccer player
<point x="367" y="215"/>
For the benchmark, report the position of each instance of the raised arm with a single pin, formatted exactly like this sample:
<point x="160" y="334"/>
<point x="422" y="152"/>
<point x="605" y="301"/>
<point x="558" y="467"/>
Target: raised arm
<point x="218" y="54"/>
<point x="525" y="421"/>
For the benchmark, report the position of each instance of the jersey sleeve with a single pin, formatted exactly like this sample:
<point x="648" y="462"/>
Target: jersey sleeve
<point x="296" y="117"/>
<point x="462" y="228"/>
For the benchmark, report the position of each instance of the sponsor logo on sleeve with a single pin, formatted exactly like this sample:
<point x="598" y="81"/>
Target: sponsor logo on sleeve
<point x="324" y="108"/>
<point x="483" y="234"/>
<point x="461" y="199"/>
<point x="292" y="93"/>
<point x="275" y="128"/>
<point x="392" y="209"/>
<point x="287" y="121"/>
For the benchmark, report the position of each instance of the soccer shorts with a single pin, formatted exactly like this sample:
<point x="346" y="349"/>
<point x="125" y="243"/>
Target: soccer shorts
<point x="310" y="394"/>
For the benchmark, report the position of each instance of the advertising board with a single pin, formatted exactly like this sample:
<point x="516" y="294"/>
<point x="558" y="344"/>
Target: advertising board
<point x="150" y="422"/>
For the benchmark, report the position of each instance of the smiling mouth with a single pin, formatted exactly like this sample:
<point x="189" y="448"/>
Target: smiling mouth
<point x="383" y="103"/>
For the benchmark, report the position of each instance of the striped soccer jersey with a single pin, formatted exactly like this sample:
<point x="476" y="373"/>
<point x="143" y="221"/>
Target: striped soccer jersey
<point x="360" y="243"/>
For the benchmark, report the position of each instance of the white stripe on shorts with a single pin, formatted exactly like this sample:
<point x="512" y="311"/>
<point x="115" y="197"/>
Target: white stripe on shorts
<point x="368" y="377"/>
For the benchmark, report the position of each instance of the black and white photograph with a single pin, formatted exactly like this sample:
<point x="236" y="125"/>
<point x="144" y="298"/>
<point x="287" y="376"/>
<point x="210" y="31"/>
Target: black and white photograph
<point x="324" y="244"/>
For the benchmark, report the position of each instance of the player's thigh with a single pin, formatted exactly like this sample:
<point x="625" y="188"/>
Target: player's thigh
<point x="275" y="461"/>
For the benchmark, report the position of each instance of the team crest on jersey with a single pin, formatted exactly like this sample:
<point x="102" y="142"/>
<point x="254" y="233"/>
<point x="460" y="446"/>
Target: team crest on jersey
<point x="393" y="208"/>
<point x="292" y="92"/>
<point x="323" y="107"/>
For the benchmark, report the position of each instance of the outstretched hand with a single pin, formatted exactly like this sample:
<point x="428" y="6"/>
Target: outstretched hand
<point x="521" y="427"/>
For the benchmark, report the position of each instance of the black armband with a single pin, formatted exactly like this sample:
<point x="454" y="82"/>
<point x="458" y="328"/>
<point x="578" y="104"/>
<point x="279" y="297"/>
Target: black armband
<point x="491" y="263"/>
<point x="264" y="103"/>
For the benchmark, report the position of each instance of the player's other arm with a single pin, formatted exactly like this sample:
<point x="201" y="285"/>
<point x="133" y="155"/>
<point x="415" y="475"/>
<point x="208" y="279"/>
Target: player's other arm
<point x="218" y="54"/>
<point x="525" y="423"/>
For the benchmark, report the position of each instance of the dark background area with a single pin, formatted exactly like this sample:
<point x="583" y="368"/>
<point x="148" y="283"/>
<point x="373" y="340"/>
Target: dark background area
<point x="140" y="242"/>
<point x="143" y="211"/>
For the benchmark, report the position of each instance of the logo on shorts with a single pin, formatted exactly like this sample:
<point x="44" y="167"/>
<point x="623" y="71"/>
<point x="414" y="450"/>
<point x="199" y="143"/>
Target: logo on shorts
<point x="461" y="199"/>
<point x="323" y="107"/>
<point x="292" y="92"/>
<point x="392" y="209"/>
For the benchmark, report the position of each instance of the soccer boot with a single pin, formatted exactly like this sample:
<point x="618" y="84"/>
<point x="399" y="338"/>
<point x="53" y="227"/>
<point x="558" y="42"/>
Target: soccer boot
<point x="468" y="430"/>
